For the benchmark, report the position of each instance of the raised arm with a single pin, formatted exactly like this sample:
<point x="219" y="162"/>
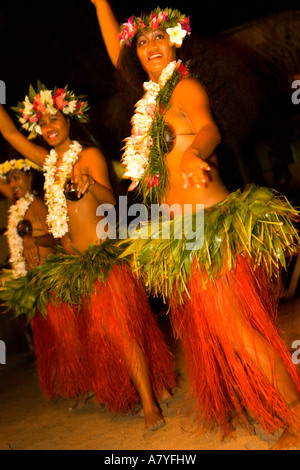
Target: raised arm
<point x="110" y="28"/>
<point x="35" y="153"/>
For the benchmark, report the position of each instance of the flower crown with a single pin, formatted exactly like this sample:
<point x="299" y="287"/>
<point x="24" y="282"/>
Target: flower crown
<point x="176" y="24"/>
<point x="21" y="164"/>
<point x="47" y="101"/>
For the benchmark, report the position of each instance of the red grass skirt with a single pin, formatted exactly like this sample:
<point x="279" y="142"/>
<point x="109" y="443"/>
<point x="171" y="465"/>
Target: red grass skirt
<point x="117" y="316"/>
<point x="59" y="352"/>
<point x="224" y="375"/>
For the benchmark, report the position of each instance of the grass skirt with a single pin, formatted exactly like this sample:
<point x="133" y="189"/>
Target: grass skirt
<point x="223" y="306"/>
<point x="60" y="357"/>
<point x="88" y="312"/>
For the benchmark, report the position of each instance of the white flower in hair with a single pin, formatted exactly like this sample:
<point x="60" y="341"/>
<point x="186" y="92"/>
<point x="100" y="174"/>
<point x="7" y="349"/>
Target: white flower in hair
<point x="177" y="34"/>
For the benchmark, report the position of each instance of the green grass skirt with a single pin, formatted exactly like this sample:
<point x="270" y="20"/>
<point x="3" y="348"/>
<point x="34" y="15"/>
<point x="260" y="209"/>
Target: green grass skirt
<point x="257" y="222"/>
<point x="69" y="278"/>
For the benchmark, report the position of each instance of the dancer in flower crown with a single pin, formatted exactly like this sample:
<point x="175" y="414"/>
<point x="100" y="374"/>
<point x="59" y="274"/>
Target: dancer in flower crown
<point x="221" y="291"/>
<point x="124" y="352"/>
<point x="27" y="232"/>
<point x="60" y="368"/>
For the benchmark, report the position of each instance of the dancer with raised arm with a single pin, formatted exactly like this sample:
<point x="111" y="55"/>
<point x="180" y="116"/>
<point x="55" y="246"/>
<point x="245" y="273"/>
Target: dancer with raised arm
<point x="221" y="292"/>
<point x="124" y="352"/>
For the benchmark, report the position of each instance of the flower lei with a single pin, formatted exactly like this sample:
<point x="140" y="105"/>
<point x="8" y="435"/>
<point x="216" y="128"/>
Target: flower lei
<point x="47" y="101"/>
<point x="15" y="242"/>
<point x="146" y="148"/>
<point x="55" y="179"/>
<point x="175" y="23"/>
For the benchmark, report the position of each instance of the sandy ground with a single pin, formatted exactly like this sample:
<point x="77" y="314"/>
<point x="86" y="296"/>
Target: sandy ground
<point x="29" y="422"/>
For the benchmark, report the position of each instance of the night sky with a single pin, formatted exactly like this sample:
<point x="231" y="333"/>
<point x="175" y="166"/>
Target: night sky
<point x="59" y="42"/>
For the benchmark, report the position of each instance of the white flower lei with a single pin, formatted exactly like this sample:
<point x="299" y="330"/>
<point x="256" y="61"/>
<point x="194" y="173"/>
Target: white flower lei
<point x="137" y="147"/>
<point x="55" y="179"/>
<point x="15" y="242"/>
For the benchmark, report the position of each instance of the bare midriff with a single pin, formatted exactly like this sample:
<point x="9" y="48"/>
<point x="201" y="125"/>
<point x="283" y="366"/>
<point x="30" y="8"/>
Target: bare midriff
<point x="209" y="194"/>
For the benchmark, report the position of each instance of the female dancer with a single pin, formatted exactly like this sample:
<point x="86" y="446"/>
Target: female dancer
<point x="221" y="304"/>
<point x="125" y="355"/>
<point x="60" y="367"/>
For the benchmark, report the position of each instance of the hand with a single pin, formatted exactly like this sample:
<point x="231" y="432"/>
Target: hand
<point x="83" y="183"/>
<point x="194" y="170"/>
<point x="30" y="251"/>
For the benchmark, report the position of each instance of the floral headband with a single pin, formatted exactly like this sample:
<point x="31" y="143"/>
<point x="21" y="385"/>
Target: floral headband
<point x="176" y="24"/>
<point x="47" y="101"/>
<point x="21" y="164"/>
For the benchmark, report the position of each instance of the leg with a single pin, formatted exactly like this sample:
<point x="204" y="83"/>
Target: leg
<point x="266" y="358"/>
<point x="140" y="376"/>
<point x="235" y="358"/>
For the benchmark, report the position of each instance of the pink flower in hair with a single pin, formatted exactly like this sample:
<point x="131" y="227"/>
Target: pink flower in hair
<point x="162" y="16"/>
<point x="39" y="105"/>
<point x="59" y="99"/>
<point x="35" y="118"/>
<point x="185" y="23"/>
<point x="154" y="22"/>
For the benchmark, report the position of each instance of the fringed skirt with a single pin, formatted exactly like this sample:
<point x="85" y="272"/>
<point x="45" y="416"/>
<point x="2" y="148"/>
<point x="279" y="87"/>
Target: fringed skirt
<point x="222" y="303"/>
<point x="92" y="317"/>
<point x="59" y="353"/>
<point x="118" y="320"/>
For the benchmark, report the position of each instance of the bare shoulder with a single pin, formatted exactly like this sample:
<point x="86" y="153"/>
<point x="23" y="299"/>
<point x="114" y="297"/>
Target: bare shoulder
<point x="91" y="151"/>
<point x="190" y="88"/>
<point x="93" y="162"/>
<point x="91" y="154"/>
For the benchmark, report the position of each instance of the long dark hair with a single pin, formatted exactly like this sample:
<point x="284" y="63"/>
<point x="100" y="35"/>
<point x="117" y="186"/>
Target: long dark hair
<point x="130" y="75"/>
<point x="216" y="61"/>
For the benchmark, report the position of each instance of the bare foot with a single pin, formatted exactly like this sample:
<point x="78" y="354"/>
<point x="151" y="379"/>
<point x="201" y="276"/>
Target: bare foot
<point x="290" y="436"/>
<point x="165" y="398"/>
<point x="288" y="439"/>
<point x="154" y="420"/>
<point x="81" y="401"/>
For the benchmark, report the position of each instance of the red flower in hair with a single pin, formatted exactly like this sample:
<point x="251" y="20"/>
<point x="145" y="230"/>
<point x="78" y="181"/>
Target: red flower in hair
<point x="59" y="99"/>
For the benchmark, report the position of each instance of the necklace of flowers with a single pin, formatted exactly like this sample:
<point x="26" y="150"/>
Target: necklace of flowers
<point x="16" y="213"/>
<point x="146" y="147"/>
<point x="55" y="179"/>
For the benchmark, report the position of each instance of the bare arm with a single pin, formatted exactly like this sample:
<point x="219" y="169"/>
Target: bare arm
<point x="195" y="104"/>
<point x="110" y="28"/>
<point x="35" y="153"/>
<point x="37" y="212"/>
<point x="91" y="173"/>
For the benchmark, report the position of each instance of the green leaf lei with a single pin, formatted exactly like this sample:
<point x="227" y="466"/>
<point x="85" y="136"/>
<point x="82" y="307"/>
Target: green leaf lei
<point x="154" y="183"/>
